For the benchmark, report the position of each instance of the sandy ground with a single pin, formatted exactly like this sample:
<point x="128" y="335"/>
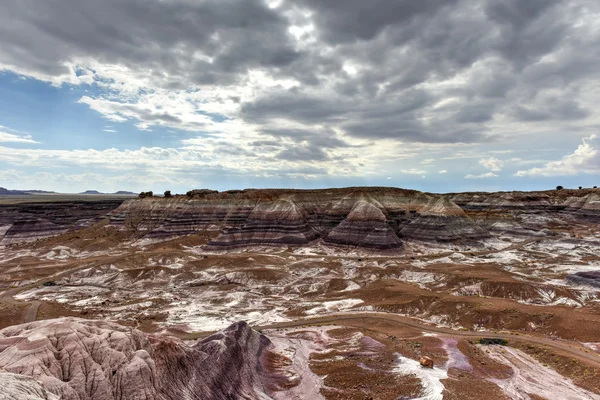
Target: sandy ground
<point x="515" y="289"/>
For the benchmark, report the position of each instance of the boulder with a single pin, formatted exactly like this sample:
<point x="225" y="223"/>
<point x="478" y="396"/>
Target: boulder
<point x="426" y="362"/>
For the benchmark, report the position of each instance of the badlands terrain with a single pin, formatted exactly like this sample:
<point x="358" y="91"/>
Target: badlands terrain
<point x="301" y="294"/>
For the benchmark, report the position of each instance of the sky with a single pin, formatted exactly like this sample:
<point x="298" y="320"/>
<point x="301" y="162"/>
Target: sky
<point x="433" y="95"/>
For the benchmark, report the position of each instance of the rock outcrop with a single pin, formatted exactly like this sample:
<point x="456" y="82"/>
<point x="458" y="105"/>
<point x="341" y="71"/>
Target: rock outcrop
<point x="370" y="218"/>
<point x="21" y="387"/>
<point x="277" y="223"/>
<point x="587" y="278"/>
<point x="365" y="218"/>
<point x="583" y="203"/>
<point x="27" y="222"/>
<point x="426" y="362"/>
<point x="587" y="207"/>
<point x="82" y="359"/>
<point x="365" y="226"/>
<point x="30" y="230"/>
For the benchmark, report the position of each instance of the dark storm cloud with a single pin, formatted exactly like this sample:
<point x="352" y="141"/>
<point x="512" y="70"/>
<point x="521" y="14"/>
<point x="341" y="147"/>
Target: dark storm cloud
<point x="342" y="21"/>
<point x="325" y="138"/>
<point x="498" y="46"/>
<point x="303" y="153"/>
<point x="373" y="70"/>
<point x="295" y="105"/>
<point x="552" y="109"/>
<point x="413" y="130"/>
<point x="147" y="34"/>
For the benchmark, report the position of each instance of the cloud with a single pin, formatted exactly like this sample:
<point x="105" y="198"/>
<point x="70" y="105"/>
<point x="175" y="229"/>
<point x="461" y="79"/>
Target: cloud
<point x="75" y="182"/>
<point x="12" y="138"/>
<point x="443" y="171"/>
<point x="481" y="176"/>
<point x="192" y="65"/>
<point x="204" y="42"/>
<point x="259" y="87"/>
<point x="585" y="159"/>
<point x="413" y="171"/>
<point x="303" y="153"/>
<point x="492" y="163"/>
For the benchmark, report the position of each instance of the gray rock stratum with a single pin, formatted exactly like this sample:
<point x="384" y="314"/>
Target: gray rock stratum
<point x="368" y="218"/>
<point x="28" y="222"/>
<point x="79" y="359"/>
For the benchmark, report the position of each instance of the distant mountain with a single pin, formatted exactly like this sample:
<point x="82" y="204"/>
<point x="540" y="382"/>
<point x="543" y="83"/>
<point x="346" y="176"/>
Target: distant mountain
<point x="91" y="192"/>
<point x="4" y="191"/>
<point x="120" y="192"/>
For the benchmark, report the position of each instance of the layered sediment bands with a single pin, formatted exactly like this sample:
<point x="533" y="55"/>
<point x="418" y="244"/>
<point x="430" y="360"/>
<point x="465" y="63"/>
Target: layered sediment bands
<point x="83" y="359"/>
<point x="365" y="226"/>
<point x="369" y="218"/>
<point x="31" y="230"/>
<point x="588" y="278"/>
<point x="271" y="224"/>
<point x="585" y="202"/>
<point x="181" y="216"/>
<point x="587" y="207"/>
<point x="444" y="229"/>
<point x="26" y="222"/>
<point x="518" y="201"/>
<point x="531" y="213"/>
<point x="440" y="219"/>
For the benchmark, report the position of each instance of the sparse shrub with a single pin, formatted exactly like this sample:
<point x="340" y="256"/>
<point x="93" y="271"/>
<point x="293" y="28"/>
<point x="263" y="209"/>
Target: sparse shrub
<point x="580" y="187"/>
<point x="559" y="188"/>
<point x="143" y="195"/>
<point x="200" y="193"/>
<point x="168" y="193"/>
<point x="595" y="187"/>
<point x="501" y="342"/>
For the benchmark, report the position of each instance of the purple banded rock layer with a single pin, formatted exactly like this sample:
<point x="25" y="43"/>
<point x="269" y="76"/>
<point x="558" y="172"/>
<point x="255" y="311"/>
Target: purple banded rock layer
<point x="587" y="207"/>
<point x="365" y="226"/>
<point x="443" y="229"/>
<point x="582" y="203"/>
<point x="30" y="230"/>
<point x="369" y="218"/>
<point x="443" y="221"/>
<point x="270" y="224"/>
<point x="287" y="217"/>
<point x="83" y="359"/>
<point x="521" y="201"/>
<point x="28" y="222"/>
<point x="587" y="278"/>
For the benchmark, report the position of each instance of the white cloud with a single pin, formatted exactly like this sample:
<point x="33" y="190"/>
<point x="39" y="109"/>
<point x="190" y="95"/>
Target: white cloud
<point x="443" y="171"/>
<point x="481" y="176"/>
<point x="585" y="159"/>
<point x="11" y="138"/>
<point x="71" y="183"/>
<point x="492" y="163"/>
<point x="413" y="171"/>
